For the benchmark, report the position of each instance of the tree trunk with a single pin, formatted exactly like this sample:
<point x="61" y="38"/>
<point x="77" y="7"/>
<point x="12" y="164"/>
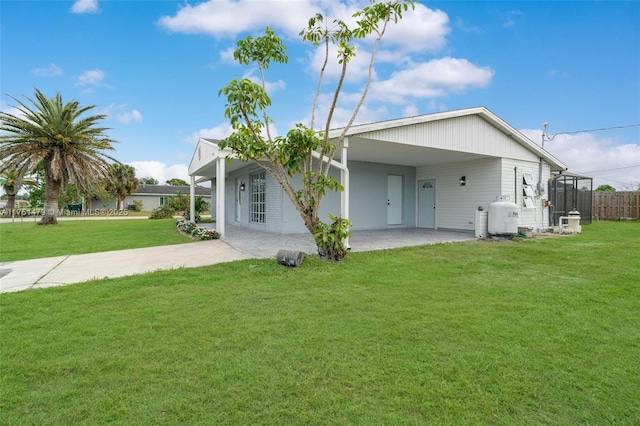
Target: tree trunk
<point x="11" y="199"/>
<point x="52" y="193"/>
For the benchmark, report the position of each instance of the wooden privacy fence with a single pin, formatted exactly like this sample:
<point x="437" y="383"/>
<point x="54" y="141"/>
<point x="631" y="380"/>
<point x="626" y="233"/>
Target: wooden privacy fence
<point x="616" y="205"/>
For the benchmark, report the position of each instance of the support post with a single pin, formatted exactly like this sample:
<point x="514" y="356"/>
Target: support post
<point x="344" y="177"/>
<point x="192" y="199"/>
<point x="220" y="189"/>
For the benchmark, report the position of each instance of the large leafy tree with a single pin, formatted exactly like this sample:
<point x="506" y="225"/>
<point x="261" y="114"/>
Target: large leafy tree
<point x="56" y="136"/>
<point x="148" y="180"/>
<point x="605" y="188"/>
<point x="121" y="182"/>
<point x="305" y="150"/>
<point x="177" y="182"/>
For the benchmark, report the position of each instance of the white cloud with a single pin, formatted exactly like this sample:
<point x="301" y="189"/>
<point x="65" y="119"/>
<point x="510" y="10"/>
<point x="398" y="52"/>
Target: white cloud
<point x="51" y="71"/>
<point x="343" y="112"/>
<point x="357" y="68"/>
<point x="420" y="30"/>
<point x="227" y="55"/>
<point x="435" y="78"/>
<point x="604" y="159"/>
<point x="160" y="171"/>
<point x="270" y="86"/>
<point x="122" y="114"/>
<point x="91" y="78"/>
<point x="129" y="116"/>
<point x="219" y="132"/>
<point x="222" y="18"/>
<point x="85" y="6"/>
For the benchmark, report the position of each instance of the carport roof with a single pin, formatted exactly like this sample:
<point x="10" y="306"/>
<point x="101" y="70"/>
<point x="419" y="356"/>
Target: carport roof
<point x="411" y="155"/>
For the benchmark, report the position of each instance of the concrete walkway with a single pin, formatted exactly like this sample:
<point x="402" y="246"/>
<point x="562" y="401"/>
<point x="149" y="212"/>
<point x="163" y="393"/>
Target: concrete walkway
<point x="239" y="243"/>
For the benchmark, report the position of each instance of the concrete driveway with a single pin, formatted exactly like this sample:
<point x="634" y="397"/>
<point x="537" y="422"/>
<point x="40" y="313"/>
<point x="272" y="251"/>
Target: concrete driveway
<point x="62" y="270"/>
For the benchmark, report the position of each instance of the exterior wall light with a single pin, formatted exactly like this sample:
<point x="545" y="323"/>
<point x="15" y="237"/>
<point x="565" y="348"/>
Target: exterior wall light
<point x="463" y="181"/>
<point x="242" y="186"/>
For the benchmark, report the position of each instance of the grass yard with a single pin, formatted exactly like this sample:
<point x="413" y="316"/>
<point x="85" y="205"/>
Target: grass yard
<point x="538" y="332"/>
<point x="27" y="240"/>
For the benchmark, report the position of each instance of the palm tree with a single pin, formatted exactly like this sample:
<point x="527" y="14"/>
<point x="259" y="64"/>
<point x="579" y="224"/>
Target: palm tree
<point x="122" y="182"/>
<point x="12" y="181"/>
<point x="53" y="134"/>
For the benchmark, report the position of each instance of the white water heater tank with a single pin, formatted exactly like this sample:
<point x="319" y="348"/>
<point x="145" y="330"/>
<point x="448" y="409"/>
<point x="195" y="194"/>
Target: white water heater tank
<point x="503" y="217"/>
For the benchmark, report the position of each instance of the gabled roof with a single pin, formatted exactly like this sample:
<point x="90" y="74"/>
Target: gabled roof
<point x="482" y="112"/>
<point x="144" y="189"/>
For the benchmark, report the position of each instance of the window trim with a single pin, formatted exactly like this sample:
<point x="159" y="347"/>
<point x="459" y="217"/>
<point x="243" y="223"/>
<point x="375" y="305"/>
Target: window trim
<point x="258" y="197"/>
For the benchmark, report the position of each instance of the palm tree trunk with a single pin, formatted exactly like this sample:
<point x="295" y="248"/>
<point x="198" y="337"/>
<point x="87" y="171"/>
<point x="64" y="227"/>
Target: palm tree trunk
<point x="11" y="199"/>
<point x="52" y="193"/>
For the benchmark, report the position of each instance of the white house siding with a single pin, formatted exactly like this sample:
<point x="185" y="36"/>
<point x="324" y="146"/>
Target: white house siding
<point x="149" y="202"/>
<point x="368" y="195"/>
<point x="537" y="217"/>
<point x="456" y="205"/>
<point x="470" y="134"/>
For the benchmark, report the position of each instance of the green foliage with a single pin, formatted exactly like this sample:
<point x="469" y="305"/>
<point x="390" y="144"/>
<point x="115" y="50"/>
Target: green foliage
<point x="121" y="182"/>
<point x="137" y="205"/>
<point x="181" y="204"/>
<point x="303" y="150"/>
<point x="147" y="180"/>
<point x="604" y="188"/>
<point x="176" y="182"/>
<point x="330" y="238"/>
<point x="71" y="195"/>
<point x="165" y="211"/>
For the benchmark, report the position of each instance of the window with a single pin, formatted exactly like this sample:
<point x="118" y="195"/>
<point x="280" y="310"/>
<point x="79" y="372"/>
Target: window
<point x="258" y="197"/>
<point x="528" y="191"/>
<point x="164" y="201"/>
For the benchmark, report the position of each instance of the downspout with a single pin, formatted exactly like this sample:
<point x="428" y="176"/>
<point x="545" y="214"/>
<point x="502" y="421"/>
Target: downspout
<point x="515" y="184"/>
<point x="540" y="192"/>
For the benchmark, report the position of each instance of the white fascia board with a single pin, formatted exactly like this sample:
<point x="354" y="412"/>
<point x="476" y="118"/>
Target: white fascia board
<point x="522" y="139"/>
<point x="212" y="152"/>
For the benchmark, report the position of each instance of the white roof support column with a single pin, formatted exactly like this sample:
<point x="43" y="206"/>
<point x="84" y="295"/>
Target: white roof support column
<point x="344" y="177"/>
<point x="192" y="199"/>
<point x="220" y="189"/>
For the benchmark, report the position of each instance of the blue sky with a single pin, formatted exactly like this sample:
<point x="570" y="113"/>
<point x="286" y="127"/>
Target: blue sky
<point x="155" y="68"/>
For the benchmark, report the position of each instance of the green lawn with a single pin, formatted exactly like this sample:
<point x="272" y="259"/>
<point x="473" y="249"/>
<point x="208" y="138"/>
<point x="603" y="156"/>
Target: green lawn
<point x="537" y="332"/>
<point x="27" y="240"/>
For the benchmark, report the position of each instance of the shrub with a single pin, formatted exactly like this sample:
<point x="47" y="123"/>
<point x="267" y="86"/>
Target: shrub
<point x="330" y="238"/>
<point x="196" y="231"/>
<point x="137" y="205"/>
<point x="162" y="212"/>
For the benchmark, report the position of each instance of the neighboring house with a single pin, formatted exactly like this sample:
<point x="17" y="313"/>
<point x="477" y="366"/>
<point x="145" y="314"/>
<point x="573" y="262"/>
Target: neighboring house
<point x="429" y="171"/>
<point x="152" y="196"/>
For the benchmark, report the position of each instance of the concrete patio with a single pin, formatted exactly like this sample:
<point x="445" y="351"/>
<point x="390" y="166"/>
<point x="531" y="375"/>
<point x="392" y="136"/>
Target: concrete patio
<point x="259" y="244"/>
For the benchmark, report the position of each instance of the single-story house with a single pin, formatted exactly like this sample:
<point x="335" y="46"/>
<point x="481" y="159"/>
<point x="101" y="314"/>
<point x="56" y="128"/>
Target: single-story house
<point x="429" y="171"/>
<point x="152" y="196"/>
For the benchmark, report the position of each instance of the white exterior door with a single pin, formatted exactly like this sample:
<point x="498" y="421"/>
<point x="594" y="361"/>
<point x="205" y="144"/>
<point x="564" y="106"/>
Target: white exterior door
<point x="394" y="200"/>
<point x="427" y="203"/>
